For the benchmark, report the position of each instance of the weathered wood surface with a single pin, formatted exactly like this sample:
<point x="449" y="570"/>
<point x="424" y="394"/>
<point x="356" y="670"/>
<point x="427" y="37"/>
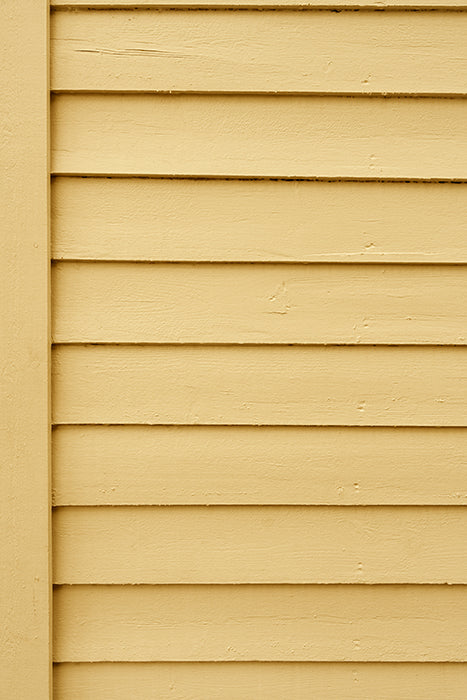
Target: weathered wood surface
<point x="257" y="220"/>
<point x="260" y="622"/>
<point x="291" y="52"/>
<point x="99" y="302"/>
<point x="150" y="465"/>
<point x="352" y="385"/>
<point x="260" y="544"/>
<point x="256" y="136"/>
<point x="269" y="681"/>
<point x="226" y="453"/>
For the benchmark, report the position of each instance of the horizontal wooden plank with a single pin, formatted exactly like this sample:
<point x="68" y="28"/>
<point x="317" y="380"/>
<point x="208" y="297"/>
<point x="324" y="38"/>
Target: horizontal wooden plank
<point x="260" y="623"/>
<point x="260" y="220"/>
<point x="322" y="52"/>
<point x="118" y="465"/>
<point x="101" y="302"/>
<point x="268" y="681"/>
<point x="256" y="136"/>
<point x="353" y="385"/>
<point x="259" y="4"/>
<point x="260" y="544"/>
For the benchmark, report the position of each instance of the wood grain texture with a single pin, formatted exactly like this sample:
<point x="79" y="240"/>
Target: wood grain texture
<point x="271" y="136"/>
<point x="260" y="544"/>
<point x="25" y="586"/>
<point x="133" y="465"/>
<point x="244" y="51"/>
<point x="100" y="302"/>
<point x="261" y="623"/>
<point x="268" y="681"/>
<point x="263" y="220"/>
<point x="260" y="385"/>
<point x="259" y="4"/>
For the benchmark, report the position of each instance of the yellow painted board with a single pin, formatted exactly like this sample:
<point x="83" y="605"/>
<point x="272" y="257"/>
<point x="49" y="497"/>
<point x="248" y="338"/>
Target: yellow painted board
<point x="102" y="302"/>
<point x="258" y="4"/>
<point x="260" y="544"/>
<point x="257" y="220"/>
<point x="255" y="136"/>
<point x="223" y="51"/>
<point x="260" y="623"/>
<point x="266" y="681"/>
<point x="322" y="385"/>
<point x="133" y="465"/>
<point x="25" y="581"/>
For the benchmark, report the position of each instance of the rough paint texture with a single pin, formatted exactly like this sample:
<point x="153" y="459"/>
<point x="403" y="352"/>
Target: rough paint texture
<point x="259" y="385"/>
<point x="268" y="681"/>
<point x="151" y="465"/>
<point x="262" y="622"/>
<point x="199" y="51"/>
<point x="260" y="136"/>
<point x="259" y="371"/>
<point x="184" y="303"/>
<point x="260" y="220"/>
<point x="259" y="544"/>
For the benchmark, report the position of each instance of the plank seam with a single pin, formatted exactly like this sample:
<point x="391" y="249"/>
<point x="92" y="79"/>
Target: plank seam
<point x="291" y="584"/>
<point x="265" y="661"/>
<point x="211" y="344"/>
<point x="261" y="7"/>
<point x="325" y="261"/>
<point x="258" y="426"/>
<point x="253" y="263"/>
<point x="284" y="506"/>
<point x="265" y="93"/>
<point x="257" y="178"/>
<point x="57" y="424"/>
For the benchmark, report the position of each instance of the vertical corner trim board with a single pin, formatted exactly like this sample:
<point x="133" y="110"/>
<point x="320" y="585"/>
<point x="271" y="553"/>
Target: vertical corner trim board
<point x="25" y="581"/>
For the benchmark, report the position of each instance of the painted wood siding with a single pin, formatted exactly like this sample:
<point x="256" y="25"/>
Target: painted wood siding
<point x="260" y="52"/>
<point x="25" y="435"/>
<point x="259" y="366"/>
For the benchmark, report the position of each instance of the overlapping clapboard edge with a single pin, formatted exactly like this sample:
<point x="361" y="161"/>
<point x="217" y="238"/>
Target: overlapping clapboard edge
<point x="260" y="385"/>
<point x="257" y="136"/>
<point x="173" y="220"/>
<point x="287" y="622"/>
<point x="236" y="303"/>
<point x="260" y="544"/>
<point x="218" y="52"/>
<point x="271" y="681"/>
<point x="99" y="465"/>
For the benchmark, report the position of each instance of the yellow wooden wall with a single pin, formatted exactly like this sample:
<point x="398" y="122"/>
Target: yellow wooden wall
<point x="259" y="364"/>
<point x="25" y="473"/>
